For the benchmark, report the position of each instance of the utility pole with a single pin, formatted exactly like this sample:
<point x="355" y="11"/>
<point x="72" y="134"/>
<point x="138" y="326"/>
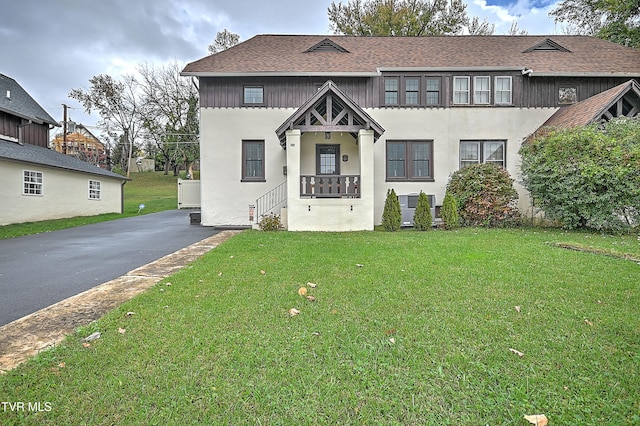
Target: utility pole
<point x="64" y="128"/>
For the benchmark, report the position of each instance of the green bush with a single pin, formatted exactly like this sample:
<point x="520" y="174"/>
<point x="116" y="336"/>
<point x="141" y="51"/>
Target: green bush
<point x="587" y="177"/>
<point x="449" y="212"/>
<point x="485" y="196"/>
<point x="391" y="215"/>
<point x="270" y="222"/>
<point x="422" y="219"/>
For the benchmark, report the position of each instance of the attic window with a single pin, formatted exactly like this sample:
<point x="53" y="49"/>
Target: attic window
<point x="326" y="45"/>
<point x="547" y="45"/>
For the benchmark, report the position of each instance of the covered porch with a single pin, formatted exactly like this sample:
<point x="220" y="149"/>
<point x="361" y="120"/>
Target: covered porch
<point x="329" y="170"/>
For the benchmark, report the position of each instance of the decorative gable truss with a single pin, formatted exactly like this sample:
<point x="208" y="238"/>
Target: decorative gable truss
<point x="329" y="110"/>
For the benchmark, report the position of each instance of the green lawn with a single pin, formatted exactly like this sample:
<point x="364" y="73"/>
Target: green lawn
<point x="155" y="190"/>
<point x="407" y="328"/>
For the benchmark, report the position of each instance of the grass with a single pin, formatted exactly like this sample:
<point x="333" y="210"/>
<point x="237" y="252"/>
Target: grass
<point x="157" y="191"/>
<point x="419" y="334"/>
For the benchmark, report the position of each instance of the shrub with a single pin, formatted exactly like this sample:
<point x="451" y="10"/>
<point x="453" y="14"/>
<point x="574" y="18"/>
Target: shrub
<point x="422" y="219"/>
<point x="449" y="212"/>
<point x="391" y="215"/>
<point x="485" y="196"/>
<point x="587" y="177"/>
<point x="270" y="222"/>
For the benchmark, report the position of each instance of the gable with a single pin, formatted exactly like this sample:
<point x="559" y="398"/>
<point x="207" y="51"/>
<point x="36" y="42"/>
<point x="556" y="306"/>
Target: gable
<point x="620" y="101"/>
<point x="329" y="110"/>
<point x="547" y="45"/>
<point x="326" y="45"/>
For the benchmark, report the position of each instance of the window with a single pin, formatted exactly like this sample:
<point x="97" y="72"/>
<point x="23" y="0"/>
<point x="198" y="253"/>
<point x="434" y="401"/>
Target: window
<point x="391" y="91"/>
<point x="409" y="160"/>
<point x="32" y="183"/>
<point x="481" y="90"/>
<point x="253" y="161"/>
<point x="460" y="90"/>
<point x="94" y="189"/>
<point x="412" y="91"/>
<point x="433" y="91"/>
<point x="328" y="159"/>
<point x="253" y="95"/>
<point x="503" y="90"/>
<point x="476" y="152"/>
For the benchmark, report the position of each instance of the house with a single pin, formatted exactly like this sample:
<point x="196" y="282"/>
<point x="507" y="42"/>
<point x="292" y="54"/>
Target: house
<point x="37" y="183"/>
<point x="82" y="144"/>
<point x="317" y="128"/>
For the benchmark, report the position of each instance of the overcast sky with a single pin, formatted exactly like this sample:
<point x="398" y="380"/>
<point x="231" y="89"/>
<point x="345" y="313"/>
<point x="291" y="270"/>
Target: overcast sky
<point x="52" y="46"/>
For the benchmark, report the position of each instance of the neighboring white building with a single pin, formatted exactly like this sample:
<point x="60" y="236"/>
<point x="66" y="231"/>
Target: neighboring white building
<point x="318" y="128"/>
<point x="37" y="183"/>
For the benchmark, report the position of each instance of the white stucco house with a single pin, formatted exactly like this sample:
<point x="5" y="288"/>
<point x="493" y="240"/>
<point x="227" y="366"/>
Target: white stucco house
<point x="38" y="183"/>
<point x="317" y="128"/>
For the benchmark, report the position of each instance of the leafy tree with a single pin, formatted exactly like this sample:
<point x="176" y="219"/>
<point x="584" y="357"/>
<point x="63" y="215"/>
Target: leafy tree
<point x="449" y="212"/>
<point x="391" y="215"/>
<point x="224" y="40"/>
<point x="120" y="107"/>
<point x="485" y="196"/>
<point x="422" y="218"/>
<point x="587" y="177"/>
<point x="398" y="17"/>
<point x="617" y="21"/>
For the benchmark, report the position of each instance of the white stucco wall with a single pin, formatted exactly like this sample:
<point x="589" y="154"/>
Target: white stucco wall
<point x="64" y="194"/>
<point x="225" y="199"/>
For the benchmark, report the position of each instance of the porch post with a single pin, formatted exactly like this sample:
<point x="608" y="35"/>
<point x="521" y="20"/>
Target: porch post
<point x="293" y="171"/>
<point x="367" y="190"/>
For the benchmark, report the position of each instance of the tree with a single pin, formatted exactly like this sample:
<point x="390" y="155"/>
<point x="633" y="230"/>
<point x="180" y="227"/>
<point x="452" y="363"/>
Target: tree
<point x="391" y="215"/>
<point x="587" y="177"/>
<point x="120" y="107"/>
<point x="422" y="218"/>
<point x="514" y="30"/>
<point x="481" y="28"/>
<point x="170" y="115"/>
<point x="224" y="40"/>
<point x="449" y="212"/>
<point x="616" y="21"/>
<point x="398" y="17"/>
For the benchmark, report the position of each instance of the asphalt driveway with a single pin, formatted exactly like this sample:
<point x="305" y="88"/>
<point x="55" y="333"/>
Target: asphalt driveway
<point x="39" y="270"/>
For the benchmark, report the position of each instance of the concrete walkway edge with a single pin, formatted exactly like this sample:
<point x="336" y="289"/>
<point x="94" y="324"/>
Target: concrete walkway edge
<point x="27" y="336"/>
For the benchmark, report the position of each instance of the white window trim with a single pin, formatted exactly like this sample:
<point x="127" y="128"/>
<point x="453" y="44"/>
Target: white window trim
<point x="467" y="91"/>
<point x="480" y="149"/>
<point x="510" y="91"/>
<point x="95" y="193"/>
<point x="476" y="91"/>
<point x="38" y="185"/>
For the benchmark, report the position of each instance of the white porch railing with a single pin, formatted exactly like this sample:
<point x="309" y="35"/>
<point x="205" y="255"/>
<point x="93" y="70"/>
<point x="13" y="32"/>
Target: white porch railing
<point x="336" y="186"/>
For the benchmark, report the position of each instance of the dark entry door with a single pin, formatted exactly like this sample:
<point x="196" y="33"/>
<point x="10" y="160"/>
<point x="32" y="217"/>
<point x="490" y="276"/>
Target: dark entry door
<point x="328" y="159"/>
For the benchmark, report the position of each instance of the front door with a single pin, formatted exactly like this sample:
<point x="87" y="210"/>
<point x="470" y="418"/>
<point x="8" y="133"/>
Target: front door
<point x="327" y="159"/>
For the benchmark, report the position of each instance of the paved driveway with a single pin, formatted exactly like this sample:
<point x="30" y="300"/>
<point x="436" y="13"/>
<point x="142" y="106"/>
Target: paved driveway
<point x="39" y="270"/>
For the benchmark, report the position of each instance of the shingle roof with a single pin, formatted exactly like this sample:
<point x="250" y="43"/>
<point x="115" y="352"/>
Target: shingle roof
<point x="590" y="109"/>
<point x="287" y="55"/>
<point x="37" y="155"/>
<point x="20" y="103"/>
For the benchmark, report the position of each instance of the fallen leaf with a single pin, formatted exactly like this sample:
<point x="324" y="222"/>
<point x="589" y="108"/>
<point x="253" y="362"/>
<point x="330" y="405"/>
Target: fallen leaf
<point x="62" y="365"/>
<point x="312" y="285"/>
<point x="302" y="291"/>
<point x="293" y="312"/>
<point x="311" y="298"/>
<point x="390" y="331"/>
<point x="130" y="313"/>
<point x="86" y="345"/>
<point x="231" y="257"/>
<point x="220" y="274"/>
<point x="537" y="419"/>
<point x="162" y="289"/>
<point x="122" y="330"/>
<point x="315" y="333"/>
<point x="517" y="308"/>
<point x="392" y="340"/>
<point x="168" y="284"/>
<point x="263" y="272"/>
<point x="359" y="265"/>
<point x="517" y="352"/>
<point x="589" y="323"/>
<point x="333" y="311"/>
